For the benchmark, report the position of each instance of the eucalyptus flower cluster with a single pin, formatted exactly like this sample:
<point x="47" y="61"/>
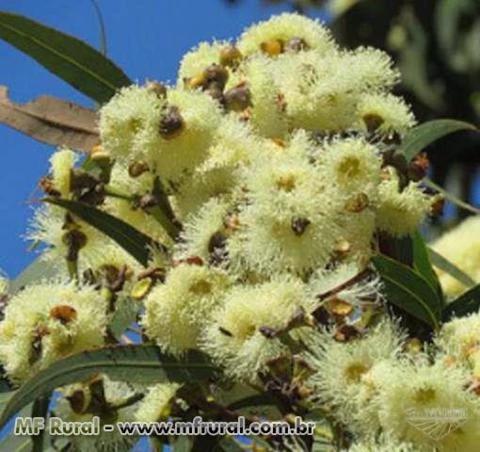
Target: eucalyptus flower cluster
<point x="266" y="178"/>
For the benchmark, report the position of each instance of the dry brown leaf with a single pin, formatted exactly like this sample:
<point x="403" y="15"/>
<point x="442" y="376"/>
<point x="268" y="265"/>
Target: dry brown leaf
<point x="51" y="121"/>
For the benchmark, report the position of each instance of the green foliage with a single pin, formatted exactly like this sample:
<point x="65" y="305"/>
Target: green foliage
<point x="448" y="267"/>
<point x="427" y="133"/>
<point x="465" y="304"/>
<point x="409" y="290"/>
<point x="130" y="239"/>
<point x="69" y="58"/>
<point x="422" y="263"/>
<point x="135" y="363"/>
<point x="35" y="272"/>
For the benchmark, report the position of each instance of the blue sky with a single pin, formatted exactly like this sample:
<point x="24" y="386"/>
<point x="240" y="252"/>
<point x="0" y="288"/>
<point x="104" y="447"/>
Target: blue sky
<point x="146" y="38"/>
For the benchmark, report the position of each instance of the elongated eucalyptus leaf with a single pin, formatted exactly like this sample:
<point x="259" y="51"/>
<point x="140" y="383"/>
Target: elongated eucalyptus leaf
<point x="252" y="401"/>
<point x="69" y="58"/>
<point x="40" y="409"/>
<point x="130" y="239"/>
<point x="445" y="265"/>
<point x="35" y="272"/>
<point x="14" y="443"/>
<point x="465" y="304"/>
<point x="423" y="265"/>
<point x="143" y="364"/>
<point x="408" y="290"/>
<point x="422" y="136"/>
<point x="51" y="120"/>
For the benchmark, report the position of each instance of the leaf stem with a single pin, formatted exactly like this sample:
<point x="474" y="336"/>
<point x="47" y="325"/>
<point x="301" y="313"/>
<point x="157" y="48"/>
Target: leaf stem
<point x="460" y="203"/>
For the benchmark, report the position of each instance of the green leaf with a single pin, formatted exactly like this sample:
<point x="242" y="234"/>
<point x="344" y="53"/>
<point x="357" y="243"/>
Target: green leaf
<point x="409" y="291"/>
<point x="143" y="364"/>
<point x="5" y="397"/>
<point x="423" y="265"/>
<point x="126" y="311"/>
<point x="130" y="239"/>
<point x="69" y="58"/>
<point x="252" y="401"/>
<point x="40" y="409"/>
<point x="14" y="443"/>
<point x="35" y="272"/>
<point x="422" y="136"/>
<point x="465" y="304"/>
<point x="445" y="265"/>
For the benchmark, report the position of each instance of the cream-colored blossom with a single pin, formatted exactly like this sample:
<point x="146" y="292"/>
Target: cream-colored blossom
<point x="459" y="339"/>
<point x="384" y="114"/>
<point x="234" y="337"/>
<point x="47" y="321"/>
<point x="177" y="311"/>
<point x="266" y="110"/>
<point x="129" y="122"/>
<point x="344" y="372"/>
<point x="61" y="165"/>
<point x="461" y="246"/>
<point x="400" y="212"/>
<point x="429" y="406"/>
<point x="155" y="406"/>
<point x="76" y="405"/>
<point x="353" y="166"/>
<point x="286" y="27"/>
<point x="199" y="58"/>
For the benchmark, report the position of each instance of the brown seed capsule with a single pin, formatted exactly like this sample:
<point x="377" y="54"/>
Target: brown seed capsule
<point x="437" y="206"/>
<point x="357" y="204"/>
<point x="63" y="313"/>
<point x="78" y="401"/>
<point x="172" y="123"/>
<point x="296" y="44"/>
<point x="158" y="88"/>
<point x="47" y="186"/>
<point x="136" y="169"/>
<point x="197" y="81"/>
<point x="418" y="167"/>
<point x="299" y="225"/>
<point x="230" y="56"/>
<point x="215" y="91"/>
<point x="272" y="47"/>
<point x="238" y="98"/>
<point x="345" y="333"/>
<point x="216" y="74"/>
<point x="372" y="121"/>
